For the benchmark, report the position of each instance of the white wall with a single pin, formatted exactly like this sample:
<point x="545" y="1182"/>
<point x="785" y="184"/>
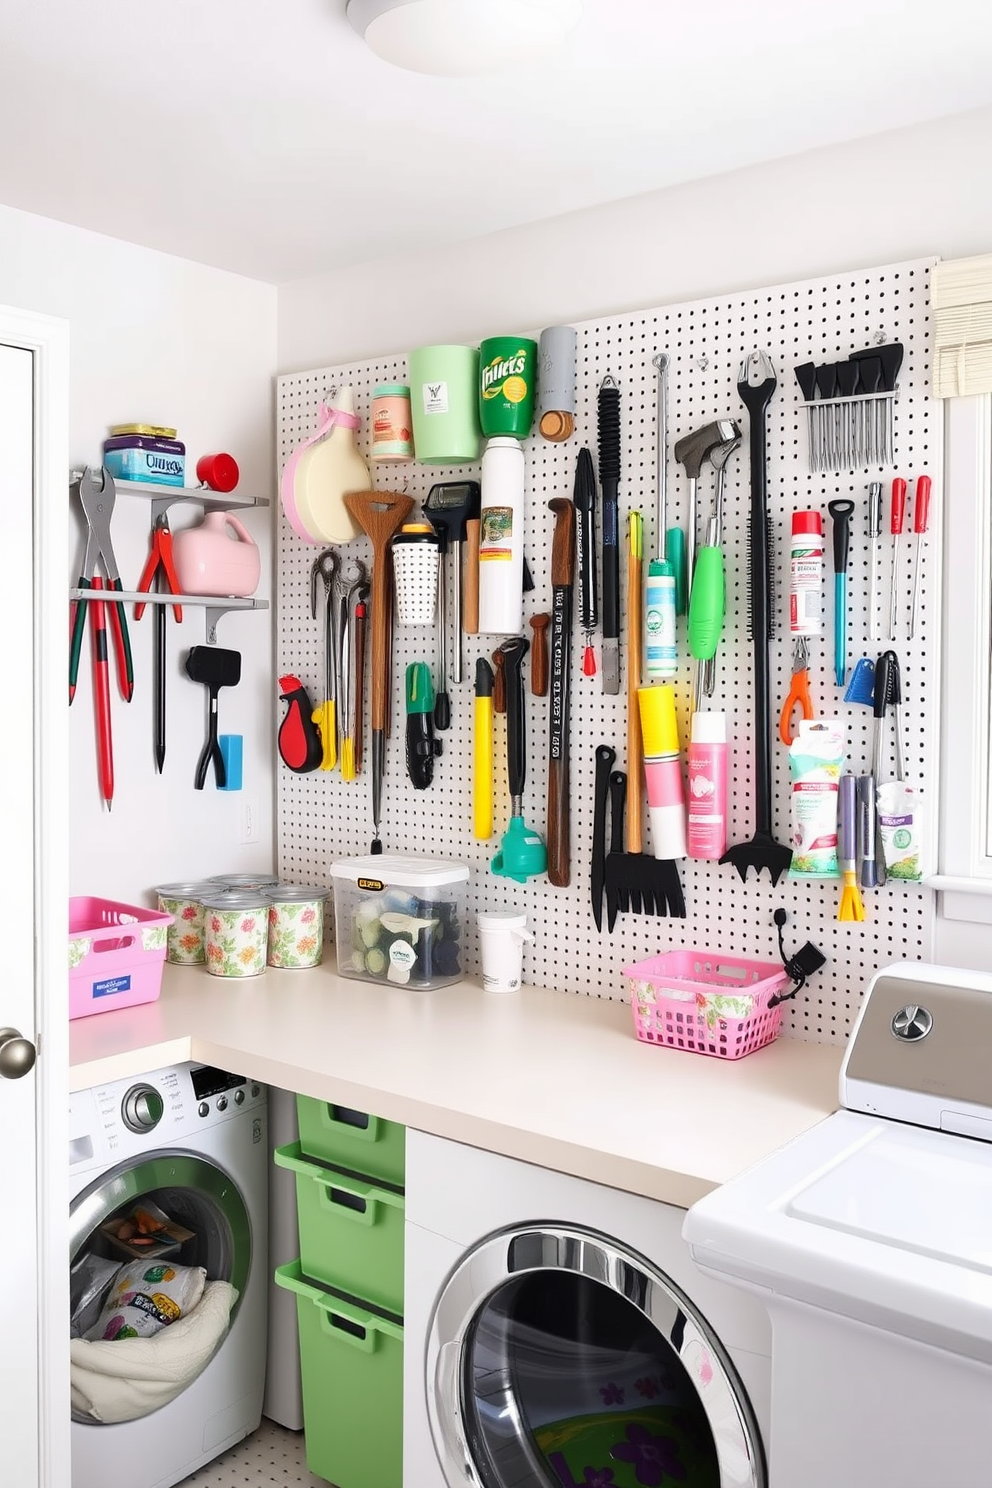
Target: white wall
<point x="158" y="339"/>
<point x="900" y="195"/>
<point x="895" y="196"/>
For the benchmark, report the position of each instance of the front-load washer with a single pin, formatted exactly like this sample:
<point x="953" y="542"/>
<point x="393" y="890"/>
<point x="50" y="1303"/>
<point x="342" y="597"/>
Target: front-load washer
<point x="192" y="1139"/>
<point x="558" y="1335"/>
<point x="869" y="1239"/>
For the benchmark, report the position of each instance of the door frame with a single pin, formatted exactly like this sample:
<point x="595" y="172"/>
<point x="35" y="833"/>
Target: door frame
<point x="47" y="338"/>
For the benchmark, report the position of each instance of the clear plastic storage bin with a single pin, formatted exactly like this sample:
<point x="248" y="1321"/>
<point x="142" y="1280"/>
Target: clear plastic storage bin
<point x="400" y="921"/>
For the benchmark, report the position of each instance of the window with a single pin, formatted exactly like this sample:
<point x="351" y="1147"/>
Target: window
<point x="965" y="845"/>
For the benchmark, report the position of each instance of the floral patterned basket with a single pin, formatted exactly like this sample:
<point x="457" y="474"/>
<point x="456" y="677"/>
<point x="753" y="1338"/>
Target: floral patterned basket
<point x="706" y="1002"/>
<point x="116" y="952"/>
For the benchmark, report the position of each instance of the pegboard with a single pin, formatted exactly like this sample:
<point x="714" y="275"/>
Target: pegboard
<point x="322" y="818"/>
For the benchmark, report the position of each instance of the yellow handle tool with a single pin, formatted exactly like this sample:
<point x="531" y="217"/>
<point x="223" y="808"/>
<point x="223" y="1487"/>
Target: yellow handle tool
<point x="324" y="718"/>
<point x="482" y="751"/>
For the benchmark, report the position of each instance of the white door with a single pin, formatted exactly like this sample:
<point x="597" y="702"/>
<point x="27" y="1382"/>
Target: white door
<point x="33" y="1154"/>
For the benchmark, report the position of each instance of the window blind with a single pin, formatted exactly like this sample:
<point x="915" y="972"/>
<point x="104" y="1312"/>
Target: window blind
<point x="961" y="312"/>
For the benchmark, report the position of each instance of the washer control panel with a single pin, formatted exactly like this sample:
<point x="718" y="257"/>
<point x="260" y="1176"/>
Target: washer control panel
<point x="160" y="1109"/>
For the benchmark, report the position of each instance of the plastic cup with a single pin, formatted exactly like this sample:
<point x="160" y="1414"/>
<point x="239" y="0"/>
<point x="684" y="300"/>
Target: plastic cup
<point x="502" y="935"/>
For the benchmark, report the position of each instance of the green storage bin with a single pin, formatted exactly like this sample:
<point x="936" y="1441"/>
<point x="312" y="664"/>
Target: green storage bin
<point x="352" y="1139"/>
<point x="351" y="1232"/>
<point x="352" y="1366"/>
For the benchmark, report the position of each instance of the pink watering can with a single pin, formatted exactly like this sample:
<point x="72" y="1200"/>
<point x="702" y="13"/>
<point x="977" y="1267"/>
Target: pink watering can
<point x="209" y="560"/>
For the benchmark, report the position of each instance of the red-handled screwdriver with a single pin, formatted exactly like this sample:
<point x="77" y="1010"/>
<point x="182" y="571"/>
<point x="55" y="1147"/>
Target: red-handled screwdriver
<point x="921" y="515"/>
<point x="895" y="527"/>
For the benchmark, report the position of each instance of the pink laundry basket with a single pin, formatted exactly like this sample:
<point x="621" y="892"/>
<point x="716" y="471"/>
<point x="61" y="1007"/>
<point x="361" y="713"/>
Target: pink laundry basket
<point x="706" y="1002"/>
<point x="116" y="953"/>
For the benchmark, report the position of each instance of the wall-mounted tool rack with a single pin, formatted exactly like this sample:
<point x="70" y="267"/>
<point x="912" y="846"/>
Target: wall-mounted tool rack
<point x="322" y="818"/>
<point x="160" y="498"/>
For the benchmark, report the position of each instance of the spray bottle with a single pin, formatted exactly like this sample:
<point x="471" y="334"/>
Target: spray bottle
<point x="501" y="538"/>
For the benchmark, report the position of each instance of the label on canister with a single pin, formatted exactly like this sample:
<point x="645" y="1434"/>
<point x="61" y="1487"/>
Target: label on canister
<point x="496" y="534"/>
<point x="435" y="397"/>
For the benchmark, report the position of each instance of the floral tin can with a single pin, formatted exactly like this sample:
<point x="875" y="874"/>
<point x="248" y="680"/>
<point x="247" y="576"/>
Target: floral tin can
<point x="184" y="902"/>
<point x="296" y="925"/>
<point x="235" y="932"/>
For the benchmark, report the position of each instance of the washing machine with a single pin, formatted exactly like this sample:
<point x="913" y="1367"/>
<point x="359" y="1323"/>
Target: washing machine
<point x="869" y="1239"/>
<point x="192" y="1140"/>
<point x="557" y="1335"/>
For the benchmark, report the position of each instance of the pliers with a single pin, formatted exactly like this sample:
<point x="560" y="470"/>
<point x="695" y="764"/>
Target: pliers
<point x="325" y="567"/>
<point x="97" y="494"/>
<point x="159" y="558"/>
<point x="798" y="692"/>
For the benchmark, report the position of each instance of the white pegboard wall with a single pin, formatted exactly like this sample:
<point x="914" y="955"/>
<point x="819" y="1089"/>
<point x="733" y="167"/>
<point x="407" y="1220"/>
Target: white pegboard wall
<point x="321" y="818"/>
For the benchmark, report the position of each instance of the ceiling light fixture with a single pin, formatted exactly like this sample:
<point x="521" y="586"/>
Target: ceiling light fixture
<point x="462" y="38"/>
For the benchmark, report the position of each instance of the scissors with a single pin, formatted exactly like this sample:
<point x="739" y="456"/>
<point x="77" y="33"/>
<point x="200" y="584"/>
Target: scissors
<point x="798" y="692"/>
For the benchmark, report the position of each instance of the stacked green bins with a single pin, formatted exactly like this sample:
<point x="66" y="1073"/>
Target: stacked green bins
<point x="348" y="1283"/>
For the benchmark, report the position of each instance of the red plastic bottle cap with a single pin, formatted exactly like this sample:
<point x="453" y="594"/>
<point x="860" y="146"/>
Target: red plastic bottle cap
<point x="220" y="472"/>
<point x="807" y="523"/>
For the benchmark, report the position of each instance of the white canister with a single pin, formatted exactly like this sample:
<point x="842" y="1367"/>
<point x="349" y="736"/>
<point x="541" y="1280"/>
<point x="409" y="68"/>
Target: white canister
<point x="501" y="539"/>
<point x="184" y="902"/>
<point x="416" y="553"/>
<point x="235" y="932"/>
<point x="296" y="925"/>
<point x="502" y="935"/>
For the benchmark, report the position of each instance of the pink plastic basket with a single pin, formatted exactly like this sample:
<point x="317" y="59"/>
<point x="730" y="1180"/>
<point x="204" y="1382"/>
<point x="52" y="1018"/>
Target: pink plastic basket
<point x="705" y="1002"/>
<point x="116" y="952"/>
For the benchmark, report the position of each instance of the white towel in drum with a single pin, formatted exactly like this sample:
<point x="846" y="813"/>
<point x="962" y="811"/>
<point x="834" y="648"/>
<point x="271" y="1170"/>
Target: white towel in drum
<point x="124" y="1378"/>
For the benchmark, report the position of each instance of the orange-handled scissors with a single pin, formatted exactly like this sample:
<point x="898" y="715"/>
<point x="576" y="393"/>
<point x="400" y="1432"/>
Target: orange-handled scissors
<point x="798" y="692"/>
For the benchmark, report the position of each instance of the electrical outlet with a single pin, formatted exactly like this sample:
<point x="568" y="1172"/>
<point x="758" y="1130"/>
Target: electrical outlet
<point x="250" y="826"/>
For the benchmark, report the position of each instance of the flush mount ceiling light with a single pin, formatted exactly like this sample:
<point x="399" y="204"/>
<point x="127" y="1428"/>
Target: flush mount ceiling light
<point x="459" y="38"/>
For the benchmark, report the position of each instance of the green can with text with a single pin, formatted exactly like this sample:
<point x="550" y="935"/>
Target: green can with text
<point x="507" y="378"/>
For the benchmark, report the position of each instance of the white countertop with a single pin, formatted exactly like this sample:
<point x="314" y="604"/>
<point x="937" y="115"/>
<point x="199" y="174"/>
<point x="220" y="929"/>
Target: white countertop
<point x="552" y="1078"/>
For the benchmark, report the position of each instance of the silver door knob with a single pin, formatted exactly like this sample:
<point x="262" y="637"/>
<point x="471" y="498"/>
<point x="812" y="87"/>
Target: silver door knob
<point x="17" y="1055"/>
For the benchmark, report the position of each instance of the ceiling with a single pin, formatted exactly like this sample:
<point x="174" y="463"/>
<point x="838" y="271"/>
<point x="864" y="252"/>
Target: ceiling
<point x="263" y="137"/>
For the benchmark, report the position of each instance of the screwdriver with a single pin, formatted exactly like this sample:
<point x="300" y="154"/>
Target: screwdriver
<point x="874" y="533"/>
<point x="895" y="527"/>
<point x="921" y="514"/>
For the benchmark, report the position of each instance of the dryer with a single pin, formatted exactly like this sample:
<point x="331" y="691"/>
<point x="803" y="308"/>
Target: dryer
<point x="191" y="1138"/>
<point x="869" y="1241"/>
<point x="557" y="1334"/>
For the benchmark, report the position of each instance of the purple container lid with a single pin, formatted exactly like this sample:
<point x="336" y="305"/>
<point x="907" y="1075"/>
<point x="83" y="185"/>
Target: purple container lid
<point x="145" y="442"/>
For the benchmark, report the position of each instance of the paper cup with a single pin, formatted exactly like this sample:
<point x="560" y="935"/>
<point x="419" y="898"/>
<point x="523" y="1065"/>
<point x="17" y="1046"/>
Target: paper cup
<point x="501" y="947"/>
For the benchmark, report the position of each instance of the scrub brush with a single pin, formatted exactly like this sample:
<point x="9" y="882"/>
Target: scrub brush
<point x="851" y="904"/>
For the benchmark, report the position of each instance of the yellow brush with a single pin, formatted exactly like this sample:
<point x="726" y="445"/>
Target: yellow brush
<point x="851" y="905"/>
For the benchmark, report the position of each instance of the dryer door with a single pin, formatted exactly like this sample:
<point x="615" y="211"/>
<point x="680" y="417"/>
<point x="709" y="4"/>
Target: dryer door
<point x="558" y="1358"/>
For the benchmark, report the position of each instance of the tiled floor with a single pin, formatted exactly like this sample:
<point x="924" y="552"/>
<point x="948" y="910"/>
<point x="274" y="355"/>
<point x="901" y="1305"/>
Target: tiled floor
<point x="271" y="1457"/>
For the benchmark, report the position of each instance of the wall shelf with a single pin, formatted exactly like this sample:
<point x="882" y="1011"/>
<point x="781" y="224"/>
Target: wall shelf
<point x="216" y="605"/>
<point x="162" y="497"/>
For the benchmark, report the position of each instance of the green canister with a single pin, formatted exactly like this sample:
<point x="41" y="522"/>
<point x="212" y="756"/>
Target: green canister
<point x="507" y="376"/>
<point x="444" y="404"/>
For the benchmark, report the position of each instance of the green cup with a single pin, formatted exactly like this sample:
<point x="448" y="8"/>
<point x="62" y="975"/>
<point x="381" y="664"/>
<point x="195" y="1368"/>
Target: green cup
<point x="507" y="378"/>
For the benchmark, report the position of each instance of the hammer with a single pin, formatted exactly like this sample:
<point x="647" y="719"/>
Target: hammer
<point x="691" y="451"/>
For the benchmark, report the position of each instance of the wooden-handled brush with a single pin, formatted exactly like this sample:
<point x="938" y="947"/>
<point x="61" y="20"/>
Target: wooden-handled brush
<point x="380" y="514"/>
